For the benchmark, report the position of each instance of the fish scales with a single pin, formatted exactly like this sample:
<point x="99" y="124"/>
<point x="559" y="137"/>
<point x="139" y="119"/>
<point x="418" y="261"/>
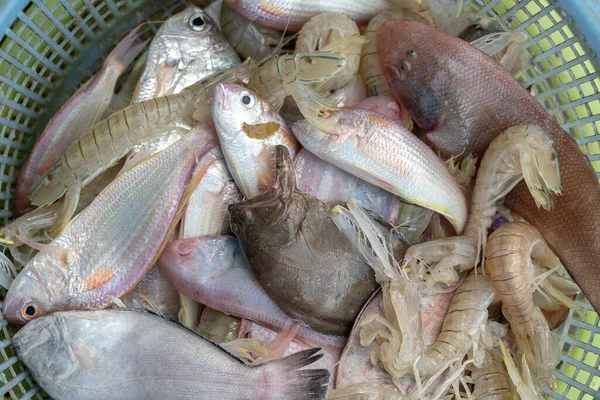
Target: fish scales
<point x="106" y="353"/>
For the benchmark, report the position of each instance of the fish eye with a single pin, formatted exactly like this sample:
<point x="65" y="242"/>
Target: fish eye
<point x="199" y="22"/>
<point x="30" y="311"/>
<point x="248" y="99"/>
<point x="411" y="53"/>
<point x="405" y="66"/>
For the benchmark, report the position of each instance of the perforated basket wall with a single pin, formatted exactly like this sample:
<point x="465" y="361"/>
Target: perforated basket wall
<point x="50" y="47"/>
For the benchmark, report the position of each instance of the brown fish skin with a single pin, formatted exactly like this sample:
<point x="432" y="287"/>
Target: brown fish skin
<point x="300" y="257"/>
<point x="464" y="99"/>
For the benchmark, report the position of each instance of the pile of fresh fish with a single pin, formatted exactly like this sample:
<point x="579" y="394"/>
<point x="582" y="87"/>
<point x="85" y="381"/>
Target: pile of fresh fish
<point x="341" y="215"/>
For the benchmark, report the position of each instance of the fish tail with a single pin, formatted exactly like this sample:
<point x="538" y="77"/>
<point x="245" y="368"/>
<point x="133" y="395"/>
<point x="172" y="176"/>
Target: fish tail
<point x="126" y="51"/>
<point x="294" y="384"/>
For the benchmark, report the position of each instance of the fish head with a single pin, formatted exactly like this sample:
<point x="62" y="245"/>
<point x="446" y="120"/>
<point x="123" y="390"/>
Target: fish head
<point x="209" y="255"/>
<point x="187" y="27"/>
<point x="37" y="343"/>
<point x="241" y="115"/>
<point x="414" y="59"/>
<point x="29" y="296"/>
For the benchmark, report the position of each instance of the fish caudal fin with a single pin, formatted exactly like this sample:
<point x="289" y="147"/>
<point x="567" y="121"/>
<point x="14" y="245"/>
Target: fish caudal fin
<point x="293" y="384"/>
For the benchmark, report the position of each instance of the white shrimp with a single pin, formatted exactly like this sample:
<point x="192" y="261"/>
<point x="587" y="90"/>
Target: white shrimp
<point x="521" y="152"/>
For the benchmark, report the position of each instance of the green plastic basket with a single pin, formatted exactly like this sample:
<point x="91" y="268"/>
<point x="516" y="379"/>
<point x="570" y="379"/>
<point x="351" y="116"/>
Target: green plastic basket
<point x="48" y="48"/>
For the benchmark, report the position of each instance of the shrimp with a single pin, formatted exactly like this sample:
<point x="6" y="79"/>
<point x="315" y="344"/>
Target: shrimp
<point x="521" y="380"/>
<point x="491" y="379"/>
<point x="325" y="30"/>
<point x="509" y="255"/>
<point x="508" y="48"/>
<point x="111" y="139"/>
<point x="247" y="38"/>
<point x="466" y="326"/>
<point x="398" y="334"/>
<point x="521" y="152"/>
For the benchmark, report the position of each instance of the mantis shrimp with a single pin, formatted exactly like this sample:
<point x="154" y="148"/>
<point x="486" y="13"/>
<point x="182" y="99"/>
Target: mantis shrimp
<point x="521" y="152"/>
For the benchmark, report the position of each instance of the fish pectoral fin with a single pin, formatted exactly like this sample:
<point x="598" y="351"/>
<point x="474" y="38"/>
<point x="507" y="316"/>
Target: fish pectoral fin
<point x="99" y="277"/>
<point x="86" y="355"/>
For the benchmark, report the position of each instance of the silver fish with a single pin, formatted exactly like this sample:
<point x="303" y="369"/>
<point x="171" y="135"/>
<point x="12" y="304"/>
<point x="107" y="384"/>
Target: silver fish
<point x="107" y="249"/>
<point x="112" y="354"/>
<point x="249" y="129"/>
<point x="186" y="48"/>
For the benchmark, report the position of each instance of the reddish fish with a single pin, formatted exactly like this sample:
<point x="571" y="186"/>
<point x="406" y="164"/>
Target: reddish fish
<point x="463" y="99"/>
<point x="75" y="117"/>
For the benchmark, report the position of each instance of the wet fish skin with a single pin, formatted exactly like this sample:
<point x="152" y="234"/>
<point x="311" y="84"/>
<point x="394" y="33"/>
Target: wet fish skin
<point x="186" y="48"/>
<point x="111" y="245"/>
<point x="384" y="153"/>
<point x="299" y="256"/>
<point x="207" y="211"/>
<point x="156" y="294"/>
<point x="106" y="353"/>
<point x="213" y="271"/>
<point x="464" y="100"/>
<point x="291" y="15"/>
<point x="330" y="184"/>
<point x="248" y="133"/>
<point x="75" y="117"/>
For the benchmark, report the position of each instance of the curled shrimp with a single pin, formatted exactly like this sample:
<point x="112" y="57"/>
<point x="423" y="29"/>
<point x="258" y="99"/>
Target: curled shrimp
<point x="324" y="32"/>
<point x="247" y="38"/>
<point x="509" y="261"/>
<point x="521" y="152"/>
<point x="271" y="78"/>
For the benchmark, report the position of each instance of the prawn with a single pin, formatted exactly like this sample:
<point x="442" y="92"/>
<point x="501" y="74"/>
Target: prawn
<point x="508" y="48"/>
<point x="491" y="379"/>
<point x="466" y="327"/>
<point x="273" y="79"/>
<point x="247" y="38"/>
<point x="398" y="333"/>
<point x="112" y="138"/>
<point x="521" y="152"/>
<point x="324" y="31"/>
<point x="509" y="255"/>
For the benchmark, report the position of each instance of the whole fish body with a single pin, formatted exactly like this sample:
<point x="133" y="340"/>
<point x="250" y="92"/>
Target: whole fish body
<point x="112" y="354"/>
<point x="75" y="117"/>
<point x="291" y="15"/>
<point x="384" y="153"/>
<point x="108" y="248"/>
<point x="249" y="129"/>
<point x="213" y="271"/>
<point x="186" y="48"/>
<point x="464" y="100"/>
<point x="299" y="256"/>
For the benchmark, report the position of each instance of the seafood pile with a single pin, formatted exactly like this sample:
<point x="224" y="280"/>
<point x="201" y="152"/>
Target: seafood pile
<point x="303" y="200"/>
